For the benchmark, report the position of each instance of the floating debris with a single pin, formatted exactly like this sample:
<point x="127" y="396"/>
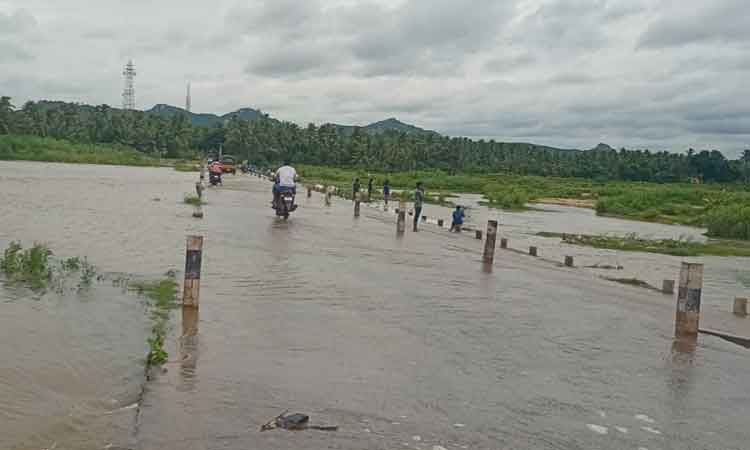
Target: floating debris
<point x="651" y="430"/>
<point x="622" y="430"/>
<point x="294" y="422"/>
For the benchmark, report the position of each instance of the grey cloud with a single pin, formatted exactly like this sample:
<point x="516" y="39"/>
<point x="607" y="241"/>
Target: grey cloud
<point x="292" y="60"/>
<point x="572" y="24"/>
<point x="12" y="52"/>
<point x="31" y="86"/>
<point x="714" y="21"/>
<point x="16" y="22"/>
<point x="508" y="63"/>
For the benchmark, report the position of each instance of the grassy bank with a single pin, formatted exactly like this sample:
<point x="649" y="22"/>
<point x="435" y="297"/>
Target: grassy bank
<point x="29" y="148"/>
<point x="662" y="246"/>
<point x="723" y="209"/>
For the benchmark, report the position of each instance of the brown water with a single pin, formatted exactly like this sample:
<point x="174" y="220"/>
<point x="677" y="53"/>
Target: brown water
<point x="402" y="342"/>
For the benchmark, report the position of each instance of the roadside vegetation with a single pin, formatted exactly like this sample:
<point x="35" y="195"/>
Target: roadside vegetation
<point x="161" y="298"/>
<point x="31" y="148"/>
<point x="33" y="267"/>
<point x="193" y="199"/>
<point x="187" y="166"/>
<point x="674" y="247"/>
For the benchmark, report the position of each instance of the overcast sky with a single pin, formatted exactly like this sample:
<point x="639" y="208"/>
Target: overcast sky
<point x="657" y="74"/>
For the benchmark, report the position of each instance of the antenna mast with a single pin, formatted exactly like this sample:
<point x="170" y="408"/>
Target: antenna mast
<point x="188" y="102"/>
<point x="128" y="92"/>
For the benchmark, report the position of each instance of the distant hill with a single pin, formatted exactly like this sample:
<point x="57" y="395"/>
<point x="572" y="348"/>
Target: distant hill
<point x="383" y="126"/>
<point x="205" y="119"/>
<point x="603" y="148"/>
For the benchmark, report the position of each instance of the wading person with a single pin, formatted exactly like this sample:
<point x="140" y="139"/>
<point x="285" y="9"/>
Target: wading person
<point x="369" y="189"/>
<point x="458" y="219"/>
<point x="418" y="200"/>
<point x="386" y="191"/>
<point x="355" y="189"/>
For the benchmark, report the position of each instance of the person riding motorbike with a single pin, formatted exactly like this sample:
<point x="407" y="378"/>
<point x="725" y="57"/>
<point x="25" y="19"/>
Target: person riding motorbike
<point x="284" y="181"/>
<point x="215" y="170"/>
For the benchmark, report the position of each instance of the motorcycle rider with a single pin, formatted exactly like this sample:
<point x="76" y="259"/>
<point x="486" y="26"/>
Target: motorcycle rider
<point x="215" y="169"/>
<point x="284" y="181"/>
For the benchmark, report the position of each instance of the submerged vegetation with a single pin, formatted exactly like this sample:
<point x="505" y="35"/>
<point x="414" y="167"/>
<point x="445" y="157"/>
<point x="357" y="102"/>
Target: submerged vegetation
<point x="30" y="266"/>
<point x="162" y="298"/>
<point x="192" y="199"/>
<point x="34" y="268"/>
<point x="674" y="247"/>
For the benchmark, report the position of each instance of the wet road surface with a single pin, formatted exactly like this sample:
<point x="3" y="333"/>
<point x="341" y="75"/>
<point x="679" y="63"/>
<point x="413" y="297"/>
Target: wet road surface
<point x="401" y="342"/>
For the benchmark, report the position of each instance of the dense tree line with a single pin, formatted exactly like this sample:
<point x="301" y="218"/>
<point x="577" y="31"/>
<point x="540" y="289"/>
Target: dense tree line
<point x="266" y="141"/>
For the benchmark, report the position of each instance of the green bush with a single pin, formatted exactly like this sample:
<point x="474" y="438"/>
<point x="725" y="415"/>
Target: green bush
<point x="731" y="221"/>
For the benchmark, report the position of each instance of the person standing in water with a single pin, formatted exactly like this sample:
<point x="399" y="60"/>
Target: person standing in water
<point x="355" y="189"/>
<point x="458" y="219"/>
<point x="386" y="191"/>
<point x="418" y="201"/>
<point x="369" y="188"/>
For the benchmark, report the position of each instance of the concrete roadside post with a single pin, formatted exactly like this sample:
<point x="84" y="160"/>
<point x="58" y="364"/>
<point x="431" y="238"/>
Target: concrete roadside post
<point x="489" y="244"/>
<point x="401" y="220"/>
<point x="192" y="284"/>
<point x="199" y="189"/>
<point x="667" y="287"/>
<point x="740" y="306"/>
<point x="328" y="196"/>
<point x="688" y="313"/>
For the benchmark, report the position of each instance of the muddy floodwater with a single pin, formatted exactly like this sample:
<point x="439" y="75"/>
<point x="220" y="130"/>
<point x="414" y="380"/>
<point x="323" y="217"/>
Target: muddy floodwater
<point x="402" y="342"/>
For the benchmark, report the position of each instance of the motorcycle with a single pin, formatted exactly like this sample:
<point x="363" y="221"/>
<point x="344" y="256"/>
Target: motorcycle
<point x="214" y="178"/>
<point x="285" y="204"/>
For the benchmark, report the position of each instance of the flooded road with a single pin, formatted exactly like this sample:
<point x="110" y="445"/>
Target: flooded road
<point x="401" y="342"/>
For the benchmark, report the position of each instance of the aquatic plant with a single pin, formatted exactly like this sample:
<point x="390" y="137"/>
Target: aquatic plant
<point x="162" y="298"/>
<point x="29" y="266"/>
<point x="192" y="199"/>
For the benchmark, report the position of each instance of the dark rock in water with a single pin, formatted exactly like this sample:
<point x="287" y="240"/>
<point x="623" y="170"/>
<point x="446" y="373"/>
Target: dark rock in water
<point x="293" y="422"/>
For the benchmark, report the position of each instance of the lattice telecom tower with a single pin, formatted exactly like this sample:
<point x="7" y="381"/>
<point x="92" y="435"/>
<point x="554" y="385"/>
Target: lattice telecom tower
<point x="188" y="102"/>
<point x="128" y="92"/>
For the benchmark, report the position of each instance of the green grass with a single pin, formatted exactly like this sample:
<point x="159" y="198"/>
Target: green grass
<point x="162" y="298"/>
<point x="30" y="148"/>
<point x="672" y="247"/>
